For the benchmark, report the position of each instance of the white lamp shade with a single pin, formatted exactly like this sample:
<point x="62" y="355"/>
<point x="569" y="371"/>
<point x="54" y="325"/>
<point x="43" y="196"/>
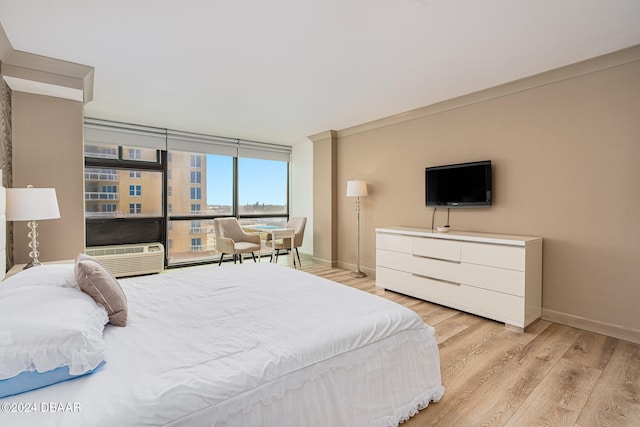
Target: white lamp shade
<point x="32" y="204"/>
<point x="356" y="188"/>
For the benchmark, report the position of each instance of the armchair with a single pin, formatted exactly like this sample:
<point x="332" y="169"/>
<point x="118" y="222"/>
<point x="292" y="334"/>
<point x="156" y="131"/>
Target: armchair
<point x="231" y="239"/>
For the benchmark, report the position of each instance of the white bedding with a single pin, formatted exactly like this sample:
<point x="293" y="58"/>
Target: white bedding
<point x="249" y="345"/>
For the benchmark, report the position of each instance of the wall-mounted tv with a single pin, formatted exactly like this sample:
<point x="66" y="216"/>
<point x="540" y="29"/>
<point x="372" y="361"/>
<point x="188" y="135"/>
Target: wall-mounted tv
<point x="463" y="185"/>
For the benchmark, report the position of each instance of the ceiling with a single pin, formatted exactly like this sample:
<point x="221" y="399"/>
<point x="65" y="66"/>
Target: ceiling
<point x="281" y="70"/>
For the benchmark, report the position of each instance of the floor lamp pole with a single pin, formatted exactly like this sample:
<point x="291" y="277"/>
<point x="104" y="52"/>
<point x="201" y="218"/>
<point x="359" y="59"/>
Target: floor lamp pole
<point x="358" y="273"/>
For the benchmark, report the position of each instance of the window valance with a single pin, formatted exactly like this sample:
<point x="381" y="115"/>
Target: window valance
<point x="98" y="131"/>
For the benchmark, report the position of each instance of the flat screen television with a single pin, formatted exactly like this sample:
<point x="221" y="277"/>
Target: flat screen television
<point x="463" y="185"/>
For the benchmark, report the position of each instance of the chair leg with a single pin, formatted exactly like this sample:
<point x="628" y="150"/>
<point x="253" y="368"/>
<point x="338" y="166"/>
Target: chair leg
<point x="254" y="257"/>
<point x="220" y="262"/>
<point x="240" y="257"/>
<point x="277" y="253"/>
<point x="235" y="258"/>
<point x="298" y="253"/>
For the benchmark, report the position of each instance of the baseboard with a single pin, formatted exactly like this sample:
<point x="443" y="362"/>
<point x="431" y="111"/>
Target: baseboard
<point x="325" y="262"/>
<point x="615" y="331"/>
<point x="305" y="256"/>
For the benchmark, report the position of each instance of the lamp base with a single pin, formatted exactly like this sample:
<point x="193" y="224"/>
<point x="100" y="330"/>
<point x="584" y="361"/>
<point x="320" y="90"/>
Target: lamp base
<point x="32" y="263"/>
<point x="357" y="274"/>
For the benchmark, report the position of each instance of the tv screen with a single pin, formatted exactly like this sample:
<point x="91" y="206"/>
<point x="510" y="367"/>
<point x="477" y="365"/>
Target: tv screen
<point x="463" y="185"/>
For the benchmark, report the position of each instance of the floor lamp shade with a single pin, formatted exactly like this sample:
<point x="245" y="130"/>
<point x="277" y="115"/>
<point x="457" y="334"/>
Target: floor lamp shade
<point x="356" y="188"/>
<point x="32" y="205"/>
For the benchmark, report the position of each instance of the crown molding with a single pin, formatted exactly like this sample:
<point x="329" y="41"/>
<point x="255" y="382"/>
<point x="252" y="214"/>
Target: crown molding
<point x="600" y="63"/>
<point x="322" y="136"/>
<point x="28" y="72"/>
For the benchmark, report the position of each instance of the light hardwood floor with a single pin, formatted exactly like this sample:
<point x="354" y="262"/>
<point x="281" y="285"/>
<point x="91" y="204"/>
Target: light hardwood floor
<point x="551" y="375"/>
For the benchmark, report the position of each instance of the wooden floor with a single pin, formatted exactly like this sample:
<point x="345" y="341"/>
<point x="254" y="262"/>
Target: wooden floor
<point x="551" y="375"/>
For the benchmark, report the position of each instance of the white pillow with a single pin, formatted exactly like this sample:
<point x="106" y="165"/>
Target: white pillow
<point x="47" y="327"/>
<point x="61" y="275"/>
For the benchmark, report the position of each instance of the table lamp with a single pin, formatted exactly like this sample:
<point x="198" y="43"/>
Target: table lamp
<point x="32" y="205"/>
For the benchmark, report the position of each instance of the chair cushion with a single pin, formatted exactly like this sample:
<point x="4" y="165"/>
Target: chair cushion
<point x="245" y="247"/>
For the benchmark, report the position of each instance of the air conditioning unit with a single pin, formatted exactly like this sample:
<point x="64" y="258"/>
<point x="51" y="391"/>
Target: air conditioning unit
<point x="130" y="260"/>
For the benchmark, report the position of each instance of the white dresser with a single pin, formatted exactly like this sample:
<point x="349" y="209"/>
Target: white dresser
<point x="491" y="275"/>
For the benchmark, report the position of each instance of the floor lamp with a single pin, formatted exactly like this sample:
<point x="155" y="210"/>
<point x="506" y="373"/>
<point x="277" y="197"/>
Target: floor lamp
<point x="32" y="205"/>
<point x="357" y="189"/>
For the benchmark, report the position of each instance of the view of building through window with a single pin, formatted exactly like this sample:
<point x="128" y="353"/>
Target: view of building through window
<point x="200" y="187"/>
<point x="119" y="193"/>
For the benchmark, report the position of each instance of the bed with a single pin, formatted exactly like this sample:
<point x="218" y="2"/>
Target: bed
<point x="254" y="344"/>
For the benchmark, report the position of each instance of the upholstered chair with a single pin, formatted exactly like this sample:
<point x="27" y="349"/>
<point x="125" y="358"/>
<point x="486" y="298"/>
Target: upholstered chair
<point x="232" y="240"/>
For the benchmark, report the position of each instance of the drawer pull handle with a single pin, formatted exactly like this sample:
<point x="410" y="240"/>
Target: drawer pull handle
<point x="436" y="279"/>
<point x="452" y="261"/>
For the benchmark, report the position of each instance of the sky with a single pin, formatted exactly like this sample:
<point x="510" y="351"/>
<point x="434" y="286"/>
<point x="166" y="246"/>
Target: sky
<point x="261" y="181"/>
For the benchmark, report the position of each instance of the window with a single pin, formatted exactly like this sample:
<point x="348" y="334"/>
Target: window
<point x="263" y="182"/>
<point x="134" y="154"/>
<point x="196" y="193"/>
<point x="105" y="188"/>
<point x="196" y="161"/>
<point x="197" y="196"/>
<point x="192" y="240"/>
<point x="123" y="181"/>
<point x="262" y="187"/>
<point x="215" y="179"/>
<point x="126" y="171"/>
<point x="100" y="151"/>
<point x="196" y="244"/>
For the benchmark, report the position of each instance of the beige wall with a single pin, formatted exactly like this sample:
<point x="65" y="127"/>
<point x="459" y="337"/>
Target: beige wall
<point x="566" y="153"/>
<point x="48" y="152"/>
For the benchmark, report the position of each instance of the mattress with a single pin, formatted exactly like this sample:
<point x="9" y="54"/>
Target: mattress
<point x="248" y="345"/>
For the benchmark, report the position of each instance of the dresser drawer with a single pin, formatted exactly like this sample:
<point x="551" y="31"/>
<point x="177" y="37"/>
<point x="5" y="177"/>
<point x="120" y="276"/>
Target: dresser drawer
<point x="436" y="268"/>
<point x="495" y="305"/>
<point x="496" y="279"/>
<point x="394" y="260"/>
<point x="479" y="276"/>
<point x="511" y="257"/>
<point x="393" y="280"/>
<point x="437" y="248"/>
<point x="392" y="242"/>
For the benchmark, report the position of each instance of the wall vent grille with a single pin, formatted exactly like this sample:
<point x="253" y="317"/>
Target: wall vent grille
<point x="130" y="260"/>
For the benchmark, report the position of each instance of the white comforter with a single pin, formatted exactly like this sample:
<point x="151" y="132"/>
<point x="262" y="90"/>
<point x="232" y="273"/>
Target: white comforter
<point x="250" y="344"/>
